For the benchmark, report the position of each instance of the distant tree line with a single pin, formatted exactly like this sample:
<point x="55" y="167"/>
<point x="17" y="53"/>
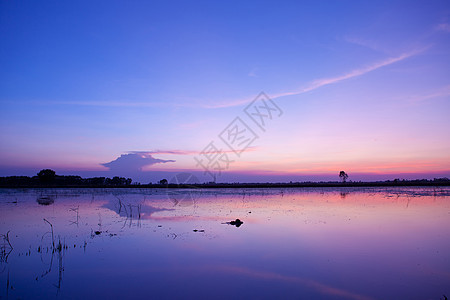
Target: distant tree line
<point x="48" y="178"/>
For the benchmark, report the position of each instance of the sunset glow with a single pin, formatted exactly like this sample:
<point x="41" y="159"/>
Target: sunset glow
<point x="361" y="87"/>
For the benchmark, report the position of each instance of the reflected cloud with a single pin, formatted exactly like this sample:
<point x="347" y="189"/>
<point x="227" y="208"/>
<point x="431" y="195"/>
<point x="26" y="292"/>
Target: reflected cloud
<point x="136" y="210"/>
<point x="318" y="286"/>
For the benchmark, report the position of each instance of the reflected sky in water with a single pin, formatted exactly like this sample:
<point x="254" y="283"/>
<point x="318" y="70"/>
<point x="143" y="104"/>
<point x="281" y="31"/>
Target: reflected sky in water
<point x="352" y="243"/>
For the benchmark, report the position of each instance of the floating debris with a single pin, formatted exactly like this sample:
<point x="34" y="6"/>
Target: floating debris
<point x="236" y="223"/>
<point x="198" y="230"/>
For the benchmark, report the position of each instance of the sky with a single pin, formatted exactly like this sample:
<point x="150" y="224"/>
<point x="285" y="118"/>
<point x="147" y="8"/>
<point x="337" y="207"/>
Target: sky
<point x="261" y="91"/>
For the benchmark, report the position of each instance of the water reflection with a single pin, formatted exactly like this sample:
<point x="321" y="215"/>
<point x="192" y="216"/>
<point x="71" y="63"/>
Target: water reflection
<point x="45" y="200"/>
<point x="289" y="243"/>
<point x="5" y="247"/>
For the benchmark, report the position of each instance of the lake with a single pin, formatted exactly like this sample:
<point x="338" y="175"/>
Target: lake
<point x="302" y="243"/>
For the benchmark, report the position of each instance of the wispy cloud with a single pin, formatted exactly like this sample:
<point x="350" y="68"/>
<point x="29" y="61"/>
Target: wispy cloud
<point x="365" y="43"/>
<point x="442" y="92"/>
<point x="443" y="27"/>
<point x="352" y="74"/>
<point x="174" y="152"/>
<point x="318" y="83"/>
<point x="123" y="103"/>
<point x="147" y="104"/>
<point x="185" y="152"/>
<point x="252" y="73"/>
<point x="191" y="125"/>
<point x="230" y="103"/>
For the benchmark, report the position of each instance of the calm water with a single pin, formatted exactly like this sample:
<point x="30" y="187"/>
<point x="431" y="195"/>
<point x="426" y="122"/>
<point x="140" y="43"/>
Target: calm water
<point x="383" y="243"/>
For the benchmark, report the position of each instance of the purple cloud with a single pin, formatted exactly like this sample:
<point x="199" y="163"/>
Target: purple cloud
<point x="132" y="162"/>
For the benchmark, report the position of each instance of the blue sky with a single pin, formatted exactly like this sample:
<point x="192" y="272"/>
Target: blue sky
<point x="363" y="87"/>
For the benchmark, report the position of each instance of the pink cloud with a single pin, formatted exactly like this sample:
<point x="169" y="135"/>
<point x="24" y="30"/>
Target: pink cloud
<point x="186" y="152"/>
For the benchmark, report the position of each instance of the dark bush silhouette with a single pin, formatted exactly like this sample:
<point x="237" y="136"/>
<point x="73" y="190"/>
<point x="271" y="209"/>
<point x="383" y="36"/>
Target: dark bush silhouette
<point x="163" y="181"/>
<point x="116" y="180"/>
<point x="46" y="175"/>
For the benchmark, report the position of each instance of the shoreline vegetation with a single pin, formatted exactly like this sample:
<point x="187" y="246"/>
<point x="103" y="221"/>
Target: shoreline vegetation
<point x="48" y="179"/>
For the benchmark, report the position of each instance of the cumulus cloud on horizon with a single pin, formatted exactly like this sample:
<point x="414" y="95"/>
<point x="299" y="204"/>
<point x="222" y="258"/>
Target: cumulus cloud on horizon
<point x="133" y="162"/>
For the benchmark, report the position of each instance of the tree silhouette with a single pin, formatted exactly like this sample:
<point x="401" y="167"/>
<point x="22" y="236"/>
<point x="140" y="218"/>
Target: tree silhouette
<point x="343" y="176"/>
<point x="163" y="181"/>
<point x="46" y="175"/>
